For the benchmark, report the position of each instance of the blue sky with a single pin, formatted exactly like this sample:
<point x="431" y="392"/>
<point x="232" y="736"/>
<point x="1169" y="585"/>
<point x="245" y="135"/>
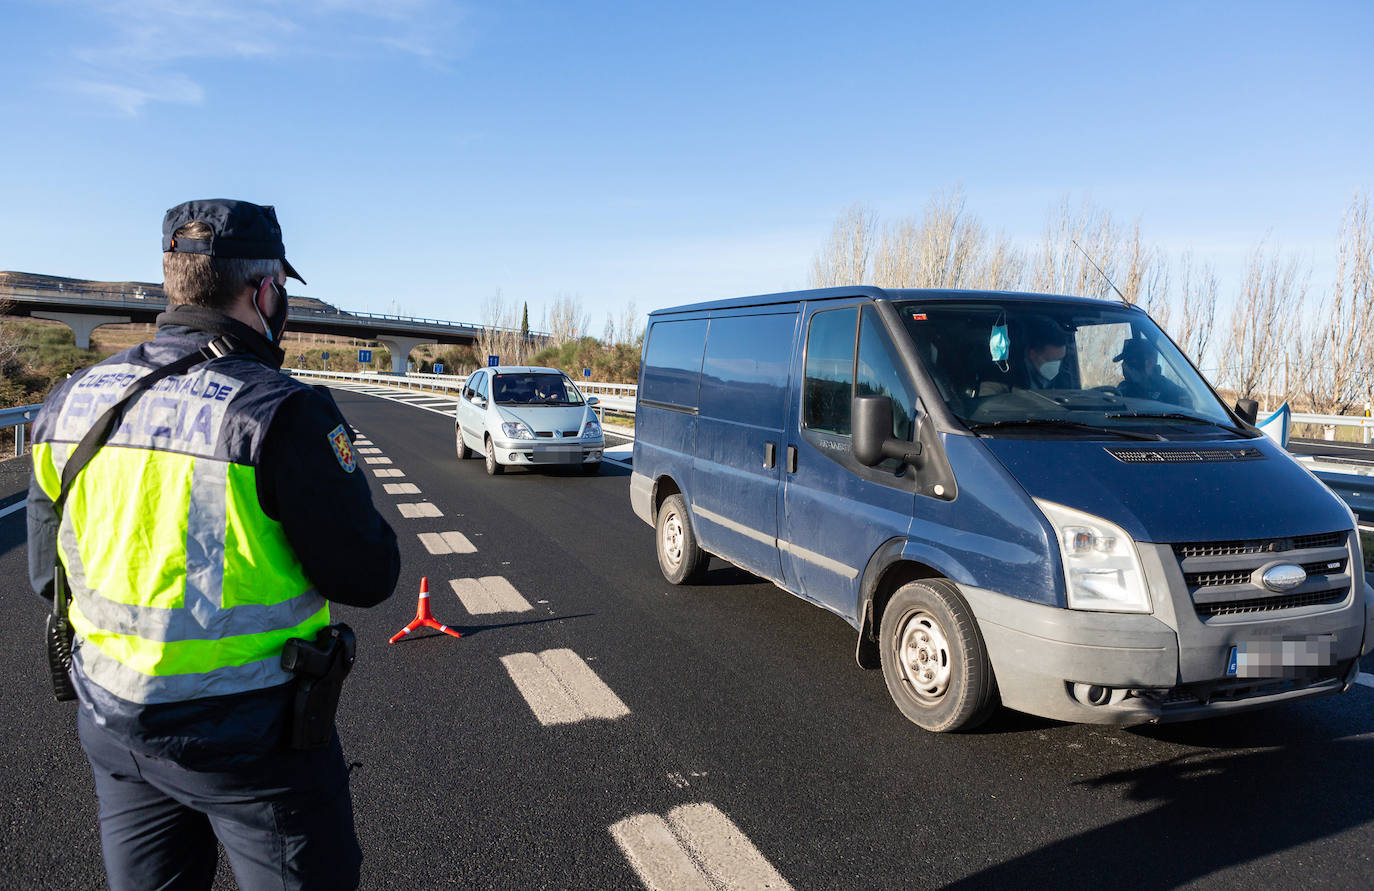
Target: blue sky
<point x="424" y="154"/>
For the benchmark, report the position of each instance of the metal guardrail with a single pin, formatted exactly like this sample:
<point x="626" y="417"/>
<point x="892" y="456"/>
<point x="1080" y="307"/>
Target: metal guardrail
<point x="19" y="418"/>
<point x="1366" y="425"/>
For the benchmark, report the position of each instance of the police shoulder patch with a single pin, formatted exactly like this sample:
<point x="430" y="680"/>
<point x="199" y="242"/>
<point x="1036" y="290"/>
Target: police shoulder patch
<point x="343" y="449"/>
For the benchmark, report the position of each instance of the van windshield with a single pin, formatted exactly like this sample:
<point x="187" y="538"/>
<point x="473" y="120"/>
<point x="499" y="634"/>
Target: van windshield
<point x="1033" y="367"/>
<point x="534" y="388"/>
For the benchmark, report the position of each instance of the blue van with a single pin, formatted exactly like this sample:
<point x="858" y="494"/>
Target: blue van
<point x="1021" y="499"/>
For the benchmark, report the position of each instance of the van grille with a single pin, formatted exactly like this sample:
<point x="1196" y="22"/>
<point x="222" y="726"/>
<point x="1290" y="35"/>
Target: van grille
<point x="1172" y="456"/>
<point x="1220" y="575"/>
<point x="1268" y="604"/>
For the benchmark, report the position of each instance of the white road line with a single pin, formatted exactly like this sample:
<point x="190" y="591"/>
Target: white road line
<point x="13" y="508"/>
<point x="361" y="442"/>
<point x="728" y="855"/>
<point x="369" y="451"/>
<point x="401" y="488"/>
<point x="388" y="471"/>
<point x="697" y="846"/>
<point x="396" y="396"/>
<point x="377" y="460"/>
<point x="418" y="509"/>
<point x="489" y="594"/>
<point x="447" y="543"/>
<point x="1365" y="678"/>
<point x="562" y="689"/>
<point x="661" y="863"/>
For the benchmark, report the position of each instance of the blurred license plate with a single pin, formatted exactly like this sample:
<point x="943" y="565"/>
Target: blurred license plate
<point x="1279" y="658"/>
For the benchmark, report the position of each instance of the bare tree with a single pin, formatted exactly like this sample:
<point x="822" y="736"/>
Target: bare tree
<point x="1191" y="321"/>
<point x="501" y="332"/>
<point x="844" y="258"/>
<point x="1334" y="351"/>
<point x="1263" y="330"/>
<point x="567" y="320"/>
<point x="1084" y="252"/>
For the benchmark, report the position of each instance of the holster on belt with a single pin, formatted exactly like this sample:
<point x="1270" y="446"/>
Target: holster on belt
<point x="320" y="666"/>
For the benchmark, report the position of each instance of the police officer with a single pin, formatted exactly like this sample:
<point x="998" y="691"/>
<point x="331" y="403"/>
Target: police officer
<point x="219" y="520"/>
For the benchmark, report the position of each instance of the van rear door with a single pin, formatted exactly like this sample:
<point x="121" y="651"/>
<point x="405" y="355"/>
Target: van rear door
<point x="837" y="512"/>
<point x="740" y="423"/>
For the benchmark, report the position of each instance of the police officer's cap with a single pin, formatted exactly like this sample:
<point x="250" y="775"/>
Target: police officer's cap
<point x="238" y="229"/>
<point x="1136" y="350"/>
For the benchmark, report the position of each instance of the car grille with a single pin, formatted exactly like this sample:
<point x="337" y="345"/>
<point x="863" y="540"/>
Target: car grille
<point x="1187" y="456"/>
<point x="1222" y="577"/>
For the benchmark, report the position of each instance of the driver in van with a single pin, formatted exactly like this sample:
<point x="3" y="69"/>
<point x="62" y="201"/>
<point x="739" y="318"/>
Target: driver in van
<point x="1141" y="377"/>
<point x="1046" y="346"/>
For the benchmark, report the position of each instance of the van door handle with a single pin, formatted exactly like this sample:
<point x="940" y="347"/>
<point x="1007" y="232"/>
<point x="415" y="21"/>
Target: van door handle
<point x="791" y="459"/>
<point x="770" y="455"/>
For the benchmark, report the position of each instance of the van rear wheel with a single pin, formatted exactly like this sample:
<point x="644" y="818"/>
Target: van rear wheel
<point x="934" y="659"/>
<point x="680" y="559"/>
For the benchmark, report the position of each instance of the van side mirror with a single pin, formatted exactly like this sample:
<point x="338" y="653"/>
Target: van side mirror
<point x="873" y="440"/>
<point x="1248" y="409"/>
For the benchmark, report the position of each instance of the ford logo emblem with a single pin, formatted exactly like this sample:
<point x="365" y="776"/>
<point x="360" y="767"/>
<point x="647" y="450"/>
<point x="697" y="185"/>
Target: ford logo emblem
<point x="1284" y="577"/>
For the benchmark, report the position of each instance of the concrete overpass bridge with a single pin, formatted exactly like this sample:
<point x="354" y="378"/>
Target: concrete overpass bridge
<point x="84" y="309"/>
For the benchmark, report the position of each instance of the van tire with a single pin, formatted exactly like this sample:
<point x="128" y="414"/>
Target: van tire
<point x="934" y="659"/>
<point x="680" y="558"/>
<point x="463" y="451"/>
<point x="494" y="467"/>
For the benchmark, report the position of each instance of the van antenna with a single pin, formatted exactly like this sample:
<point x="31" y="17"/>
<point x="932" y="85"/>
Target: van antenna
<point x="1100" y="272"/>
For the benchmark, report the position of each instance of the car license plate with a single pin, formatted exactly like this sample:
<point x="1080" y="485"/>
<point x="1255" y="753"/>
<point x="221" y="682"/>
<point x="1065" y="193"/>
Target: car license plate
<point x="1280" y="658"/>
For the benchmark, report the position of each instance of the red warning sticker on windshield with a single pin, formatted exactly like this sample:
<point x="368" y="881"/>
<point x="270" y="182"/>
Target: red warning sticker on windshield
<point x="918" y="317"/>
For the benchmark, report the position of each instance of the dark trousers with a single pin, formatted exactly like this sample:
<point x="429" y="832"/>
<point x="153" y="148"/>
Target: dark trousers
<point x="285" y="823"/>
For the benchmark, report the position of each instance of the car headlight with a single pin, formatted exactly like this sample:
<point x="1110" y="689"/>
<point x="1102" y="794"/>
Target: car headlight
<point x="517" y="430"/>
<point x="591" y="431"/>
<point x="1101" y="568"/>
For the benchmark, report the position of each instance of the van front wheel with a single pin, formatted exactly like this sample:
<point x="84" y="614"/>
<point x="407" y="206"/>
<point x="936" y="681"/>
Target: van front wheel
<point x="934" y="659"/>
<point x="680" y="559"/>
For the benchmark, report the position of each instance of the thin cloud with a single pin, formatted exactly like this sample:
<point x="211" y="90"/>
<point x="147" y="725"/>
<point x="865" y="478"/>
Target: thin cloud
<point x="151" y="42"/>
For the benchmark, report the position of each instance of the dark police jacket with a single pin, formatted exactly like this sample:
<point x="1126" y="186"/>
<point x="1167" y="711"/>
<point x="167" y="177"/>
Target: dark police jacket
<point x="307" y="481"/>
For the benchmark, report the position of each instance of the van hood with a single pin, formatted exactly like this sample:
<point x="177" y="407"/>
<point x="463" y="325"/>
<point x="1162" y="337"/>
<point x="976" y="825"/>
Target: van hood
<point x="1166" y="501"/>
<point x="543" y="418"/>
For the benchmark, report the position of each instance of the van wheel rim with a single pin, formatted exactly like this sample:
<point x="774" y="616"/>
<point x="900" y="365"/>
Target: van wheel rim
<point x="924" y="656"/>
<point x="672" y="538"/>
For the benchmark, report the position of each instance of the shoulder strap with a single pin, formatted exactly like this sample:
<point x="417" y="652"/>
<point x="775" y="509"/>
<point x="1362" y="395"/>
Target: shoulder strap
<point x="105" y="425"/>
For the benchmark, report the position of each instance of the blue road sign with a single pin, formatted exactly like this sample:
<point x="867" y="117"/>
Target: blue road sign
<point x="364" y="357"/>
<point x="324" y="356"/>
<point x="493" y="361"/>
<point x="586" y="372"/>
<point x="438" y="368"/>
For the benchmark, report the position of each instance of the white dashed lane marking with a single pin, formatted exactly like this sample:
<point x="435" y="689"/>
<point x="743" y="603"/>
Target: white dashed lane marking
<point x="447" y="543"/>
<point x="1365" y="678"/>
<point x="562" y="689"/>
<point x="489" y="594"/>
<point x="377" y="460"/>
<point x="401" y="488"/>
<point x="697" y="846"/>
<point x="388" y="471"/>
<point x="369" y="451"/>
<point x="419" y="509"/>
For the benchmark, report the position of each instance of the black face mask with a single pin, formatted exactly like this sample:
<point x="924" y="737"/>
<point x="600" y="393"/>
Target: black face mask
<point x="275" y="323"/>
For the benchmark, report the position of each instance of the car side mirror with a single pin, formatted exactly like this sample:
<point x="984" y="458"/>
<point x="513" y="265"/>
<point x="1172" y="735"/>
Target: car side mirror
<point x="873" y="440"/>
<point x="1248" y="410"/>
<point x="592" y="400"/>
<point x="479" y="401"/>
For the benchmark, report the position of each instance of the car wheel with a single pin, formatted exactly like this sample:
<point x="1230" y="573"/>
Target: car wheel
<point x="934" y="659"/>
<point x="494" y="467"/>
<point x="680" y="559"/>
<point x="591" y="468"/>
<point x="463" y="451"/>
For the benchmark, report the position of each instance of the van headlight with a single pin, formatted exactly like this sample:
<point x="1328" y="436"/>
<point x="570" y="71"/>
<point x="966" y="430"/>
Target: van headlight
<point x="1101" y="568"/>
<point x="517" y="430"/>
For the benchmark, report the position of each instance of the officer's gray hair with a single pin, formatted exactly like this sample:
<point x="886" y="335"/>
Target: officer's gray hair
<point x="212" y="282"/>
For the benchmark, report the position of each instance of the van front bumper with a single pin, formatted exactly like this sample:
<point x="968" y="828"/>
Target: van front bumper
<point x="1166" y="666"/>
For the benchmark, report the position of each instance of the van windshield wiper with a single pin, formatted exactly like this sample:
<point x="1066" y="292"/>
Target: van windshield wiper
<point x="1179" y="416"/>
<point x="1063" y="424"/>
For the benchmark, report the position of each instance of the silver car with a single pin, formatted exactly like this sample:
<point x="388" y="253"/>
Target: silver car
<point x="525" y="415"/>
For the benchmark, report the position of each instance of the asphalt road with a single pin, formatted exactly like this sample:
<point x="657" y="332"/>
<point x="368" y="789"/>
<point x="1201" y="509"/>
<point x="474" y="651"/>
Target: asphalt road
<point x="737" y="703"/>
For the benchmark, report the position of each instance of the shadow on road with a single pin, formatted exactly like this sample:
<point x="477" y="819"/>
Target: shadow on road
<point x="1217" y="809"/>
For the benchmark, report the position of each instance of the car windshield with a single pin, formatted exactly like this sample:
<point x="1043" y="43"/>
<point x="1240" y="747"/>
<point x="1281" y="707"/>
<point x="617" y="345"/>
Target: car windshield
<point x="1028" y="368"/>
<point x="534" y="388"/>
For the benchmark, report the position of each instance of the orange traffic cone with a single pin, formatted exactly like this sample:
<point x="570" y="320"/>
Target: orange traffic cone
<point x="423" y="617"/>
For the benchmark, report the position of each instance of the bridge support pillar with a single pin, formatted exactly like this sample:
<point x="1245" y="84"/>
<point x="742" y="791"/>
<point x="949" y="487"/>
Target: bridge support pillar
<point x="82" y="324"/>
<point x="400" y="348"/>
